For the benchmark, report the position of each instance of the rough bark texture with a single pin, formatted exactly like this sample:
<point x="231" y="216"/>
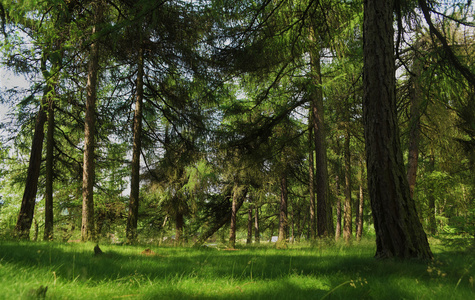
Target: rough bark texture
<point x="25" y="217"/>
<point x="324" y="214"/>
<point x="399" y="232"/>
<point x="137" y="146"/>
<point x="87" y="227"/>
<point x="48" y="233"/>
<point x="283" y="218"/>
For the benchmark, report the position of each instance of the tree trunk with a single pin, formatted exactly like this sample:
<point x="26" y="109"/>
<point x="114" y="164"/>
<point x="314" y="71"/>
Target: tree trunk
<point x="311" y="177"/>
<point x="137" y="146"/>
<point x="399" y="232"/>
<point x="347" y="224"/>
<point x="324" y="214"/>
<point x="48" y="233"/>
<point x="224" y="220"/>
<point x="249" y="225"/>
<point x="432" y="221"/>
<point x="338" y="209"/>
<point x="257" y="238"/>
<point x="236" y="204"/>
<point x="283" y="219"/>
<point x="359" y="222"/>
<point x="87" y="227"/>
<point x="27" y="209"/>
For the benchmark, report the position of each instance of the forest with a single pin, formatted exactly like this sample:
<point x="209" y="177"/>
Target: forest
<point x="239" y="122"/>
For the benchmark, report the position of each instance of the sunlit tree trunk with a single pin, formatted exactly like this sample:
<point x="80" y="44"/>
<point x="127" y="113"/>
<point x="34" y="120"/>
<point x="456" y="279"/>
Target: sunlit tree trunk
<point x="87" y="227"/>
<point x="249" y="225"/>
<point x="137" y="146"/>
<point x="399" y="232"/>
<point x="257" y="238"/>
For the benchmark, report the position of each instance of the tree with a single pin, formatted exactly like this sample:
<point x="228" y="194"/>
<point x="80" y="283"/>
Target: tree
<point x="87" y="227"/>
<point x="399" y="232"/>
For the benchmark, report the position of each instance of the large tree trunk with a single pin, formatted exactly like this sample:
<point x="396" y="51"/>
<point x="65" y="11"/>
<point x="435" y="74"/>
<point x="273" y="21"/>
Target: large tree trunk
<point x="25" y="217"/>
<point x="399" y="232"/>
<point x="347" y="224"/>
<point x="283" y="218"/>
<point x="48" y="233"/>
<point x="87" y="227"/>
<point x="137" y="146"/>
<point x="324" y="213"/>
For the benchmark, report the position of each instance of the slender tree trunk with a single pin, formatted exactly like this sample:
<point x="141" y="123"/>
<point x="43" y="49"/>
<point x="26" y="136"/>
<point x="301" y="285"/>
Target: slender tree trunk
<point x="257" y="238"/>
<point x="324" y="213"/>
<point x="87" y="227"/>
<point x="399" y="232"/>
<point x="338" y="209"/>
<point x="359" y="222"/>
<point x="234" y="209"/>
<point x="137" y="146"/>
<point x="249" y="225"/>
<point x="311" y="177"/>
<point x="347" y="228"/>
<point x="27" y="209"/>
<point x="432" y="221"/>
<point x="283" y="219"/>
<point x="48" y="233"/>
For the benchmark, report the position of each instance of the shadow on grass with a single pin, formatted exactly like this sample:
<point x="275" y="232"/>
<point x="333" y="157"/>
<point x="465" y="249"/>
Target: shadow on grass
<point x="309" y="273"/>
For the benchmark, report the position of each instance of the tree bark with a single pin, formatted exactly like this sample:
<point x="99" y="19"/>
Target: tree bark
<point x="137" y="146"/>
<point x="324" y="213"/>
<point x="48" y="233"/>
<point x="338" y="209"/>
<point x="399" y="232"/>
<point x="431" y="217"/>
<point x="249" y="225"/>
<point x="283" y="218"/>
<point x="257" y="238"/>
<point x="27" y="209"/>
<point x="311" y="176"/>
<point x="179" y="224"/>
<point x="87" y="227"/>
<point x="238" y="192"/>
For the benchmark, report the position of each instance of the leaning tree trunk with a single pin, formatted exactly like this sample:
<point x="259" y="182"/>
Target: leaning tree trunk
<point x="324" y="213"/>
<point x="283" y="218"/>
<point x="87" y="227"/>
<point x="25" y="217"/>
<point x="399" y="232"/>
<point x="137" y="146"/>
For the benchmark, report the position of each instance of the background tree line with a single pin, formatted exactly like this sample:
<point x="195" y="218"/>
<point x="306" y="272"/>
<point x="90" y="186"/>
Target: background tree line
<point x="233" y="119"/>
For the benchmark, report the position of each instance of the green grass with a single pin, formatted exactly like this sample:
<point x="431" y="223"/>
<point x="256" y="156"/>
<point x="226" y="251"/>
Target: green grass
<point x="71" y="271"/>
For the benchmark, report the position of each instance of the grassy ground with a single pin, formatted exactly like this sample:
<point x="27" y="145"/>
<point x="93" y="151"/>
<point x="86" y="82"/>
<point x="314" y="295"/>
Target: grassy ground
<point x="71" y="271"/>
